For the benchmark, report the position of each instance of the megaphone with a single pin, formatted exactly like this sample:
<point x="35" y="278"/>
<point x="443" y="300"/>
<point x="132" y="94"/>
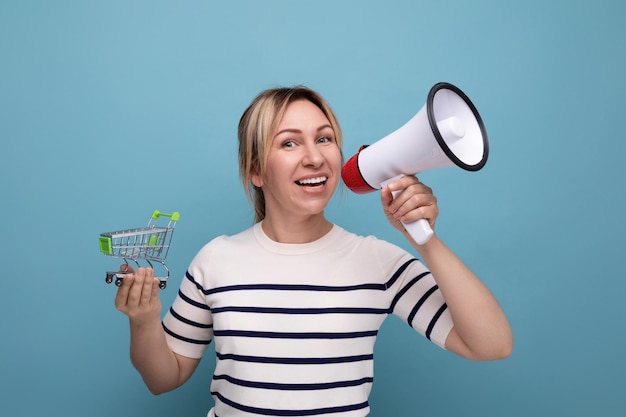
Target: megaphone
<point x="447" y="131"/>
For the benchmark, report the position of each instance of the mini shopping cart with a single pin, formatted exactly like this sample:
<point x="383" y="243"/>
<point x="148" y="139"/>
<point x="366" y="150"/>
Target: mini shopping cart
<point x="150" y="244"/>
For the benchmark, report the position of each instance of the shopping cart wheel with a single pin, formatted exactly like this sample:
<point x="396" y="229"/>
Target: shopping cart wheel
<point x="118" y="281"/>
<point x="109" y="278"/>
<point x="162" y="285"/>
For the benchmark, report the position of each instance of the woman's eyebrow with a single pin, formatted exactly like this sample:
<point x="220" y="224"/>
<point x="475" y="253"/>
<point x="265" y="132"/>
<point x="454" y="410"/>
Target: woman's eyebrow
<point x="324" y="127"/>
<point x="294" y="130"/>
<point x="288" y="131"/>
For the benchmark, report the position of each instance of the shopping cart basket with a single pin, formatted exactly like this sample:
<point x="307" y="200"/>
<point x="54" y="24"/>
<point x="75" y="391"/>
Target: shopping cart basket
<point x="150" y="244"/>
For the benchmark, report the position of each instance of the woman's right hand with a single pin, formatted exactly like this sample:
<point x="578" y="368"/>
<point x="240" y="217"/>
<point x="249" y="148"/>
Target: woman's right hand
<point x="138" y="296"/>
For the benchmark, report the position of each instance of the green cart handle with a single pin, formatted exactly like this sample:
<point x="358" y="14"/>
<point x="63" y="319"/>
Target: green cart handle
<point x="173" y="216"/>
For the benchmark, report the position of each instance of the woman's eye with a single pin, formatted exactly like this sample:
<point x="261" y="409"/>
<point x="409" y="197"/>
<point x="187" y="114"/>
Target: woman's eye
<point x="289" y="144"/>
<point x="325" y="139"/>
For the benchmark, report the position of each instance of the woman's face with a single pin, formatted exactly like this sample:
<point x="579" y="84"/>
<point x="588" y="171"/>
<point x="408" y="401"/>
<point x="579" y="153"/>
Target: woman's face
<point x="304" y="163"/>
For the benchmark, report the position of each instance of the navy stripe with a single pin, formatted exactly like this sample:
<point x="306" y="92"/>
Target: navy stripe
<point x="406" y="288"/>
<point x="302" y="287"/>
<point x="399" y="272"/>
<point x="295" y="361"/>
<point x="295" y="287"/>
<point x="185" y="339"/>
<point x="294" y="387"/>
<point x="192" y="302"/>
<point x="434" y="320"/>
<point x="284" y="335"/>
<point x="189" y="322"/>
<point x="196" y="283"/>
<point x="275" y="310"/>
<point x="271" y="412"/>
<point x="420" y="303"/>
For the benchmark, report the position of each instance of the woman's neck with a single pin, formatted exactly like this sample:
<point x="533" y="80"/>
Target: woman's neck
<point x="303" y="230"/>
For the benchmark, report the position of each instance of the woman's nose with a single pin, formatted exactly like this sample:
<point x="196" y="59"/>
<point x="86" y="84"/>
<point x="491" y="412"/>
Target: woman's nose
<point x="313" y="156"/>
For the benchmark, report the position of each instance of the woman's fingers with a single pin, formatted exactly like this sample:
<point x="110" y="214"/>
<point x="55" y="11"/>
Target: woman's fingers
<point x="409" y="194"/>
<point x="121" y="298"/>
<point x="138" y="292"/>
<point x="148" y="284"/>
<point x="406" y="200"/>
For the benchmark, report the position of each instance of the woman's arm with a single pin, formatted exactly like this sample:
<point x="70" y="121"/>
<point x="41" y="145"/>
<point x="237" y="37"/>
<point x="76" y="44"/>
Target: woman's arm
<point x="161" y="369"/>
<point x="481" y="330"/>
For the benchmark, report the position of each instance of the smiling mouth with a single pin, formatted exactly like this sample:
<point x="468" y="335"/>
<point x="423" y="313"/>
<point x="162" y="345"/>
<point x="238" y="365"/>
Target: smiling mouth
<point x="312" y="182"/>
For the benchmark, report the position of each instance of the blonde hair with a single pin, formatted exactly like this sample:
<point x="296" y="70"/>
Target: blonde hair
<point x="257" y="128"/>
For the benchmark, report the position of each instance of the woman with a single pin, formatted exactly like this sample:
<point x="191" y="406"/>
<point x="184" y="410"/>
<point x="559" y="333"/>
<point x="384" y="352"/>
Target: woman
<point x="294" y="303"/>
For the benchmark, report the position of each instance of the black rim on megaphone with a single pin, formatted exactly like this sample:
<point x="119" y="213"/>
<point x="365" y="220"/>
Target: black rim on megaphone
<point x="435" y="129"/>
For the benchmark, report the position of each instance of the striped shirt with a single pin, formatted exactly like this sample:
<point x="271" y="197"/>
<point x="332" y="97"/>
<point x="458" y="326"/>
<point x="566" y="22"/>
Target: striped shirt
<point x="294" y="325"/>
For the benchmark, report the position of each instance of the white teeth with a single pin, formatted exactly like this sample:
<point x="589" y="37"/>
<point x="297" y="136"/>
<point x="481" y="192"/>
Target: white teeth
<point x="317" y="180"/>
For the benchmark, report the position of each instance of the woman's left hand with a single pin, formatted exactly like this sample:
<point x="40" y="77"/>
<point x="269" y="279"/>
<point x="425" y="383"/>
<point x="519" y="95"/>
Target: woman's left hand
<point x="413" y="201"/>
<point x="481" y="330"/>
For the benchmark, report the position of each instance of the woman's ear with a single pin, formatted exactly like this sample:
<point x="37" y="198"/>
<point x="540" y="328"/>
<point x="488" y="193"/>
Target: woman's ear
<point x="257" y="181"/>
<point x="255" y="178"/>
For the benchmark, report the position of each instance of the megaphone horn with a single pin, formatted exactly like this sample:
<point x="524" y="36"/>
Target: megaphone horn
<point x="447" y="131"/>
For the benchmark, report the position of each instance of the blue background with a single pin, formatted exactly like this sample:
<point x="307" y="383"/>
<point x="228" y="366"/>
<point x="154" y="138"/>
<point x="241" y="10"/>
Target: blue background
<point x="109" y="110"/>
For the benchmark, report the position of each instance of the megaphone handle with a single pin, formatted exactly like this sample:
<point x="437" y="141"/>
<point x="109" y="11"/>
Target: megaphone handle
<point x="420" y="230"/>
